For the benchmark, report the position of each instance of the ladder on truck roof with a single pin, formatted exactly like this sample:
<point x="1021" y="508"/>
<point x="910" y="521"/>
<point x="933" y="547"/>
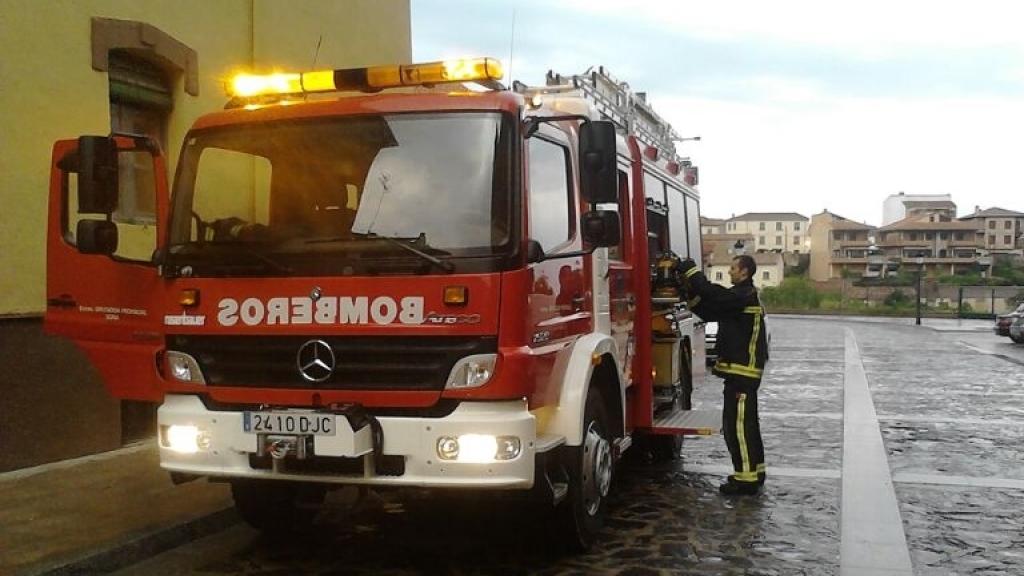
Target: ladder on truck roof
<point x="616" y="102"/>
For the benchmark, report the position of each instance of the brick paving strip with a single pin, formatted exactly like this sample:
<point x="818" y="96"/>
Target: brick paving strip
<point x="873" y="541"/>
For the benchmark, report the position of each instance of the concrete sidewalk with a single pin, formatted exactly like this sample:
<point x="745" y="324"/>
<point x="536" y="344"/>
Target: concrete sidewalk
<point x="97" y="513"/>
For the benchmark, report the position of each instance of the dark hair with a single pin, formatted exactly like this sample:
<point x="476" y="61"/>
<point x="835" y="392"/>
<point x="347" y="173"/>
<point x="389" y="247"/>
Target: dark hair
<point x="747" y="263"/>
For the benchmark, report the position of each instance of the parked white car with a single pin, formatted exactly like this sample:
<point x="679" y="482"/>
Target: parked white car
<point x="711" y="342"/>
<point x="1017" y="330"/>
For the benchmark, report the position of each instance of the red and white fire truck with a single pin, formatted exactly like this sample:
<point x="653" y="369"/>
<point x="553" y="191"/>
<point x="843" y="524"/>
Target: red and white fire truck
<point x="380" y="277"/>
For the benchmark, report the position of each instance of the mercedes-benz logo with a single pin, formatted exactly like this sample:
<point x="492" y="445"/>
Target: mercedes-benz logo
<point x="315" y="360"/>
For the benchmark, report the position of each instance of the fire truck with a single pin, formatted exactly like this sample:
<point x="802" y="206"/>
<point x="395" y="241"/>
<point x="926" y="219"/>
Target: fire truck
<point x="393" y="277"/>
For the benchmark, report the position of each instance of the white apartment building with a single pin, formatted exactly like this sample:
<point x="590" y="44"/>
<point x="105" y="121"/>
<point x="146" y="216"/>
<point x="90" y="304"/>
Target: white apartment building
<point x="899" y="206"/>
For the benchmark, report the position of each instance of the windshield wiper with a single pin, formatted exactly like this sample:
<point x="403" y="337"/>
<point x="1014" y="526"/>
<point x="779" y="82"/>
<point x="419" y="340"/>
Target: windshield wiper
<point x="244" y="247"/>
<point x="421" y="240"/>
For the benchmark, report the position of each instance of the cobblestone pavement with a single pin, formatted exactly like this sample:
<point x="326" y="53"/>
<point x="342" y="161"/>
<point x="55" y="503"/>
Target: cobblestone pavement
<point x="949" y="414"/>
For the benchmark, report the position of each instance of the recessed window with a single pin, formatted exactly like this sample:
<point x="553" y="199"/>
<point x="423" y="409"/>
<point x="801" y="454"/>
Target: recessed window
<point x="140" y="103"/>
<point x="766" y="275"/>
<point x="550" y="195"/>
<point x="718" y="275"/>
<point x="760" y="225"/>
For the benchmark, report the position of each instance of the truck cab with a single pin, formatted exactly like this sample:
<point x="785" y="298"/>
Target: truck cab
<point x="378" y="277"/>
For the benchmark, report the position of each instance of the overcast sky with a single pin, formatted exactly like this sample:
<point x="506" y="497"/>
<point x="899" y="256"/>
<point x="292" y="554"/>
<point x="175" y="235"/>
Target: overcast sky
<point x="800" y="105"/>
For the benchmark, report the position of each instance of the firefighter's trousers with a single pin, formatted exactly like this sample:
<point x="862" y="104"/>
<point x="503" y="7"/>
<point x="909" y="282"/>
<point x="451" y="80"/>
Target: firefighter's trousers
<point x="742" y="429"/>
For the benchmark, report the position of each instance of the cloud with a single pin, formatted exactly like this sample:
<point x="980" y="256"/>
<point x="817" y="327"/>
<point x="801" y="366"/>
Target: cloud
<point x="800" y="105"/>
<point x="868" y="28"/>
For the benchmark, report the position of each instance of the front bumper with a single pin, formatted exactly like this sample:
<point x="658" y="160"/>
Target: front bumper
<point x="412" y="439"/>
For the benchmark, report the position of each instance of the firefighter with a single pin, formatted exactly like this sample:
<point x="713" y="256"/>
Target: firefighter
<point x="742" y="353"/>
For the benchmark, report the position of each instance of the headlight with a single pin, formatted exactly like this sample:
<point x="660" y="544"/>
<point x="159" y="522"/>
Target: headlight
<point x="184" y="368"/>
<point x="478" y="448"/>
<point x="471" y="371"/>
<point x="184" y="439"/>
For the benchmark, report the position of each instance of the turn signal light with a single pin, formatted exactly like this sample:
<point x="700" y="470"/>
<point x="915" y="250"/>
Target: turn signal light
<point x="456" y="295"/>
<point x="367" y="79"/>
<point x="189" y="298"/>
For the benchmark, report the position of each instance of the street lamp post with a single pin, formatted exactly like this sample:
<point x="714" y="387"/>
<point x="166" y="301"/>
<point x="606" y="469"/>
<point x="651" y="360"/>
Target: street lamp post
<point x="920" y="265"/>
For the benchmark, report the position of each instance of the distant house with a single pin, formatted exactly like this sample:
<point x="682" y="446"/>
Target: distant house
<point x="772" y="231"/>
<point x="838" y="244"/>
<point x="935" y="243"/>
<point x="1003" y="229"/>
<point x="711" y="226"/>
<point x="770" y="265"/>
<point x="899" y="206"/>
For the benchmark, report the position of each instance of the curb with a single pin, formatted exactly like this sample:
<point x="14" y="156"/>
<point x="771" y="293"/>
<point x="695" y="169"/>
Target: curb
<point x="891" y="320"/>
<point x="139" y="547"/>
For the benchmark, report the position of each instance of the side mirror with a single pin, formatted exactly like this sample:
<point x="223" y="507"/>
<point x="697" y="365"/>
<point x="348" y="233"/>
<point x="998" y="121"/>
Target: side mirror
<point x="534" y="252"/>
<point x="97" y="175"/>
<point x="96" y="237"/>
<point x="599" y="181"/>
<point x="601" y="228"/>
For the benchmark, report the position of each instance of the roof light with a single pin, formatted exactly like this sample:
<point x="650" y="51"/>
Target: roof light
<point x="483" y="70"/>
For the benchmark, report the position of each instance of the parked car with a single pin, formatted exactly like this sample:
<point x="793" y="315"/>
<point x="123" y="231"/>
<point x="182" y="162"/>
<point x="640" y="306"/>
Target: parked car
<point x="711" y="342"/>
<point x="1003" y="321"/>
<point x="1017" y="330"/>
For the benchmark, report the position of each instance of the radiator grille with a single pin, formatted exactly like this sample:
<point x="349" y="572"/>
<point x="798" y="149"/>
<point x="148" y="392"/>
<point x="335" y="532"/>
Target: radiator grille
<point x="361" y="363"/>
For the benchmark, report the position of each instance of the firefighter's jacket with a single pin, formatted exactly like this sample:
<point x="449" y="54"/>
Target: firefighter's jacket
<point x="742" y="339"/>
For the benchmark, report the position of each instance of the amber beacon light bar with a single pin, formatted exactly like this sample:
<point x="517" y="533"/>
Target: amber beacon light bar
<point x="480" y="70"/>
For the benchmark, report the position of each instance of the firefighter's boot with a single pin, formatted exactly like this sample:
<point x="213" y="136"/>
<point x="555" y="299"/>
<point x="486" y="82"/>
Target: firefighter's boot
<point x="734" y="487"/>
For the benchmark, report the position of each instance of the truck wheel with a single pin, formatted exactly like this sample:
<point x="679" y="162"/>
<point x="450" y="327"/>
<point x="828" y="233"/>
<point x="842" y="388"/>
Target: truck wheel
<point x="277" y="507"/>
<point x="589" y="467"/>
<point x="1017" y="339"/>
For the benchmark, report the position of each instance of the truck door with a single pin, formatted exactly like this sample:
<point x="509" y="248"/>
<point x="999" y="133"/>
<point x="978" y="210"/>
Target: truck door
<point x="621" y="289"/>
<point x="103" y="290"/>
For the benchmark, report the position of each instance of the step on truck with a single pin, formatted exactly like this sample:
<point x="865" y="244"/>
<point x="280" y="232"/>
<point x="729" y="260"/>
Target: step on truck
<point x="395" y="276"/>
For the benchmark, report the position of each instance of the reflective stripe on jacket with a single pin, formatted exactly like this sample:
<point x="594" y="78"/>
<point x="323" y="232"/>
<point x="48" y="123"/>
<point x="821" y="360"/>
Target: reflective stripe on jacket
<point x="742" y="339"/>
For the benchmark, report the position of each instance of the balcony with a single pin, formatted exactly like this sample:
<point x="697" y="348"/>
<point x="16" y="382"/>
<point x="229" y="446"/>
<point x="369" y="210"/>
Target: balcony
<point x="840" y="244"/>
<point x="971" y="243"/>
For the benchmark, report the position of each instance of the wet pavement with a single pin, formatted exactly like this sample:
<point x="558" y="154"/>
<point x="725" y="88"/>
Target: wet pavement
<point x="950" y="414"/>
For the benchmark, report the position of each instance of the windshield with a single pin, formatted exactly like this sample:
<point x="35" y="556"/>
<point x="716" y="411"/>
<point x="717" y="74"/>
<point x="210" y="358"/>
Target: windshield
<point x="382" y="194"/>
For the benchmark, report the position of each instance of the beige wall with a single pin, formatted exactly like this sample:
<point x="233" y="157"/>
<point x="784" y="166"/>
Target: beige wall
<point x="821" y="246"/>
<point x="995" y="238"/>
<point x="50" y="90"/>
<point x="770" y="234"/>
<point x="719" y="274"/>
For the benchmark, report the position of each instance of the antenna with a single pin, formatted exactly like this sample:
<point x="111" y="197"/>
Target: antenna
<point x="511" y="46"/>
<point x="316" y="54"/>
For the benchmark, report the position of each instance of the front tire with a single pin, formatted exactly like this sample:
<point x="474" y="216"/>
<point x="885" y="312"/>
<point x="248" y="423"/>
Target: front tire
<point x="589" y="468"/>
<point x="276" y="506"/>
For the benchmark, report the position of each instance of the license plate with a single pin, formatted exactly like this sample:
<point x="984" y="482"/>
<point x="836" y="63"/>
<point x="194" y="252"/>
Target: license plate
<point x="288" y="423"/>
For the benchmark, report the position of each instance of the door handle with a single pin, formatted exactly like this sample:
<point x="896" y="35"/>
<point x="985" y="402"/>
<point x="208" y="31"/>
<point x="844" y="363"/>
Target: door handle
<point x="578" y="302"/>
<point x="62" y="301"/>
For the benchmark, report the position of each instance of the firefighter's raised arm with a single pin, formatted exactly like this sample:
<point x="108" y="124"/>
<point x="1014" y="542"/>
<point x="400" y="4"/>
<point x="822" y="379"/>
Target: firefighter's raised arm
<point x="709" y="300"/>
